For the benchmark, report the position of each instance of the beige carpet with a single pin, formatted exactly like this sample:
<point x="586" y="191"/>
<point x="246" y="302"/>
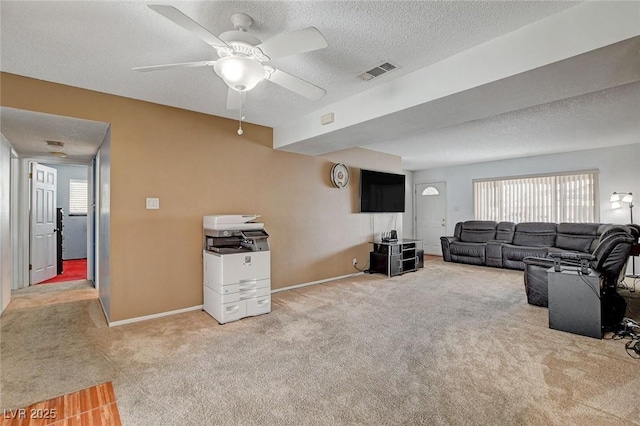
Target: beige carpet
<point x="450" y="344"/>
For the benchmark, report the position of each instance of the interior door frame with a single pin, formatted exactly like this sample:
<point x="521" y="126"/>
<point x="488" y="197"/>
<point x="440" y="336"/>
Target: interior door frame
<point x="415" y="206"/>
<point x="22" y="276"/>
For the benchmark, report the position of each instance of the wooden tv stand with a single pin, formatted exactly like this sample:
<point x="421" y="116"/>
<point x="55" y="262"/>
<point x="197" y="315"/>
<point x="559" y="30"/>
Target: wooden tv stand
<point x="396" y="257"/>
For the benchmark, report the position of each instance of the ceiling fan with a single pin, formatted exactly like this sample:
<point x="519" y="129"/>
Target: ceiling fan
<point x="242" y="55"/>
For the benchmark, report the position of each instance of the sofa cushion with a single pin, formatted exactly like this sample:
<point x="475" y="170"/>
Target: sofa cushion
<point x="560" y="250"/>
<point x="512" y="255"/>
<point x="504" y="231"/>
<point x="478" y="231"/>
<point x="580" y="243"/>
<point x="467" y="249"/>
<point x="578" y="228"/>
<point x="577" y="236"/>
<point x="469" y="253"/>
<point x="535" y="234"/>
<point x="612" y="251"/>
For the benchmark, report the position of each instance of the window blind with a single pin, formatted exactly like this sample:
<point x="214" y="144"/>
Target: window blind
<point x="77" y="196"/>
<point x="570" y="197"/>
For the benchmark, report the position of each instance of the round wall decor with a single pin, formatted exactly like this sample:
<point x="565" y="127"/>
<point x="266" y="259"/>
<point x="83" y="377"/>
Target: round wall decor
<point x="339" y="175"/>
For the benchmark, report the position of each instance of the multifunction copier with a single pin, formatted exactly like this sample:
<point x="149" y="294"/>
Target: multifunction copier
<point x="237" y="267"/>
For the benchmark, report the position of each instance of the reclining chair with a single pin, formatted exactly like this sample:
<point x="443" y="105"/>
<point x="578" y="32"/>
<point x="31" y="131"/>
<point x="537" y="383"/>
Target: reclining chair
<point x="608" y="260"/>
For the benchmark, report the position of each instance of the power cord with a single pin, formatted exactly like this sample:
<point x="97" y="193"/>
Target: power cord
<point x="626" y="286"/>
<point x="633" y="348"/>
<point x="629" y="329"/>
<point x="584" y="280"/>
<point x="365" y="269"/>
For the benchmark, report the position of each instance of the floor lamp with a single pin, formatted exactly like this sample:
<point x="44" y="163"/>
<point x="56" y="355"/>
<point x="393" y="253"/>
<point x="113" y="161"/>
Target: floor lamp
<point x="624" y="197"/>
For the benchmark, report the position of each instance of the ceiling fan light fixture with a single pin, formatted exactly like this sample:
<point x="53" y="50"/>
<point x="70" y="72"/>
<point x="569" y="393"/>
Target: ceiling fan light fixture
<point x="242" y="54"/>
<point x="240" y="73"/>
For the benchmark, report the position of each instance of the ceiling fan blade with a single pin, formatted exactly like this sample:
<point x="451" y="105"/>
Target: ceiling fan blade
<point x="297" y="85"/>
<point x="188" y="24"/>
<point x="235" y="99"/>
<point x="173" y="66"/>
<point x="300" y="41"/>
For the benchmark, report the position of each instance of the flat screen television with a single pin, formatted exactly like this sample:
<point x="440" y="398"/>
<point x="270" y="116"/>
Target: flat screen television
<point x="381" y="192"/>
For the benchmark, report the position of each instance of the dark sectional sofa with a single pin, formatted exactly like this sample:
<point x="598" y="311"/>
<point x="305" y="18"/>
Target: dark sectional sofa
<point x="532" y="246"/>
<point x="506" y="244"/>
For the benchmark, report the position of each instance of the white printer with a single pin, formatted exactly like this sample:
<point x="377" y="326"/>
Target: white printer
<point x="237" y="267"/>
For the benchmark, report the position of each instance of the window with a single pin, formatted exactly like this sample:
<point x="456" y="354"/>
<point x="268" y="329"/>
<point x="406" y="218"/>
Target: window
<point x="77" y="196"/>
<point x="567" y="197"/>
<point x="430" y="190"/>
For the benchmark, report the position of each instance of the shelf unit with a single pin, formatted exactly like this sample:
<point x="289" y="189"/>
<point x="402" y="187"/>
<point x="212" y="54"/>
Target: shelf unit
<point x="396" y="257"/>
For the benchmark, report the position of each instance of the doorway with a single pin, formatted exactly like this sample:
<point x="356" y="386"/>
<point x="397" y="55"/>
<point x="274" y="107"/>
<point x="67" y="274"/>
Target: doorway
<point x="36" y="137"/>
<point x="71" y="223"/>
<point x="431" y="215"/>
<point x="26" y="209"/>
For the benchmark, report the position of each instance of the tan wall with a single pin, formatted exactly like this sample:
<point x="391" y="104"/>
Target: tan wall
<point x="197" y="164"/>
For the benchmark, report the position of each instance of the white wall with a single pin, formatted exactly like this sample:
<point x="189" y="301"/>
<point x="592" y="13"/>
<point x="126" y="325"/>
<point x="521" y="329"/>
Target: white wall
<point x="619" y="171"/>
<point x="407" y="216"/>
<point x="6" y="258"/>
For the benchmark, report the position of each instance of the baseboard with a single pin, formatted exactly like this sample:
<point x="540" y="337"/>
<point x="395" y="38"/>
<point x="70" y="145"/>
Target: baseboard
<point x="199" y="307"/>
<point x="104" y="311"/>
<point x="293" y="287"/>
<point x="159" y="315"/>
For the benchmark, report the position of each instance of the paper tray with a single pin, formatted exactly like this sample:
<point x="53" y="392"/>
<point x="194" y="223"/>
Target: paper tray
<point x="212" y="221"/>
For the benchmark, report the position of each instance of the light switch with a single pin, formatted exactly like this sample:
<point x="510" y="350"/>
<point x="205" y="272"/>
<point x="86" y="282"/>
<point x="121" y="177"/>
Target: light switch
<point x="153" y="203"/>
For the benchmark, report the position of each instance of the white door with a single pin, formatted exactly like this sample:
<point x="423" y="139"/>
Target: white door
<point x="431" y="215"/>
<point x="43" y="223"/>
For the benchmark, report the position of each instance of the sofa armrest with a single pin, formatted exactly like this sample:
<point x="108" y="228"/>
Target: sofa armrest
<point x="572" y="256"/>
<point x="494" y="253"/>
<point x="445" y="242"/>
<point x="538" y="261"/>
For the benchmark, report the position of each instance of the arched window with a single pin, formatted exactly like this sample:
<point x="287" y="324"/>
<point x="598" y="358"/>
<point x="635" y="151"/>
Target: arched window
<point x="430" y="190"/>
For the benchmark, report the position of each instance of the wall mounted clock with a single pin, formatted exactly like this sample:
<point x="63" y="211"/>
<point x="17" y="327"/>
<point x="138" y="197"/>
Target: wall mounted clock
<point x="339" y="175"/>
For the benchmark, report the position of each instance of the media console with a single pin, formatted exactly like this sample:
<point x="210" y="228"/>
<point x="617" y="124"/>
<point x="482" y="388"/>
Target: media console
<point x="396" y="257"/>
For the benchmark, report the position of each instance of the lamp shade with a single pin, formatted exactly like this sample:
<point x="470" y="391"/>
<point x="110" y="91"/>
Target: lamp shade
<point x="615" y="205"/>
<point x="628" y="197"/>
<point x="614" y="197"/>
<point x="240" y="73"/>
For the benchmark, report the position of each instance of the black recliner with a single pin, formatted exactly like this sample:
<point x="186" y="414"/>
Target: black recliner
<point x="608" y="260"/>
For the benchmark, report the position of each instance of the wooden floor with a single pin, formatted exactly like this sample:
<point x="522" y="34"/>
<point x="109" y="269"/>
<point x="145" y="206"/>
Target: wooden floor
<point x="89" y="407"/>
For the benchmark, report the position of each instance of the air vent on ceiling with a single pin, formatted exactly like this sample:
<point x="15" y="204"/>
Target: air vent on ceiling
<point x="381" y="69"/>
<point x="55" y="143"/>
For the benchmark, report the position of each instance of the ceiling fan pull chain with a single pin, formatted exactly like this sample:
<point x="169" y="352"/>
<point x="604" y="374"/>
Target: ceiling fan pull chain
<point x="240" y="131"/>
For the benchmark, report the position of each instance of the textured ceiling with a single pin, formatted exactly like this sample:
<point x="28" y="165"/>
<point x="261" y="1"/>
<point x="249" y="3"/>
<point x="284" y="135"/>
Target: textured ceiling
<point x="94" y="45"/>
<point x="600" y="119"/>
<point x="29" y="132"/>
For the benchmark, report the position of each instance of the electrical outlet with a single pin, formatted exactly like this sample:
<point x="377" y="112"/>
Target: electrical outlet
<point x="355" y="261"/>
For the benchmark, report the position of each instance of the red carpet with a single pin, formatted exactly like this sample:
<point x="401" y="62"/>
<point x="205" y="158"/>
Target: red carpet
<point x="72" y="270"/>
